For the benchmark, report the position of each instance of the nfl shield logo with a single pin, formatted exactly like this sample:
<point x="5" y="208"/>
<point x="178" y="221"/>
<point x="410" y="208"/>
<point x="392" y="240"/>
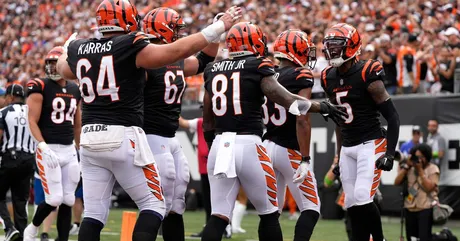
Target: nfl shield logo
<point x="341" y="81"/>
<point x="226" y="144"/>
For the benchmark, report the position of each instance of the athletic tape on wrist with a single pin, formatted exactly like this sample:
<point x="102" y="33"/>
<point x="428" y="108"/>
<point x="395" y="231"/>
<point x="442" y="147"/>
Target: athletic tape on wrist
<point x="213" y="31"/>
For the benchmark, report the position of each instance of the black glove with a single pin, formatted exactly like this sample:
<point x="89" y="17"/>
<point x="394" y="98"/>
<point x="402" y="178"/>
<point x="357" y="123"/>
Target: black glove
<point x="336" y="170"/>
<point x="385" y="163"/>
<point x="334" y="112"/>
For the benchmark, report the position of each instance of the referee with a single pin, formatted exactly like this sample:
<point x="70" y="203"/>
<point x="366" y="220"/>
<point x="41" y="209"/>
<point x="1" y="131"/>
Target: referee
<point x="17" y="161"/>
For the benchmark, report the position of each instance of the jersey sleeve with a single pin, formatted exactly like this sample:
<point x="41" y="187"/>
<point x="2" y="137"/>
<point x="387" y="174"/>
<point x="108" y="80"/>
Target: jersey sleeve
<point x="72" y="52"/>
<point x="373" y="71"/>
<point x="265" y="67"/>
<point x="303" y="78"/>
<point x="35" y="86"/>
<point x="324" y="77"/>
<point x="130" y="44"/>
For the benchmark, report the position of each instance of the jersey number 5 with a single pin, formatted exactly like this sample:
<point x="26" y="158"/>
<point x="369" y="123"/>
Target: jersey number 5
<point x="170" y="78"/>
<point x="339" y="95"/>
<point x="106" y="71"/>
<point x="220" y="109"/>
<point x="58" y="116"/>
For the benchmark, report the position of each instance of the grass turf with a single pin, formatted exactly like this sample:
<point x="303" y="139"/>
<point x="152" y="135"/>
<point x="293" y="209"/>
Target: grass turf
<point x="326" y="230"/>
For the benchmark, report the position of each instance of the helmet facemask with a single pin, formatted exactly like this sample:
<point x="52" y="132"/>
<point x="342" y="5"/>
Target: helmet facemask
<point x="311" y="57"/>
<point x="51" y="70"/>
<point x="335" y="51"/>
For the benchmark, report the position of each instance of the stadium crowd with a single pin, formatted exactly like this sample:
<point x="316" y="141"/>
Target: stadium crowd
<point x="417" y="40"/>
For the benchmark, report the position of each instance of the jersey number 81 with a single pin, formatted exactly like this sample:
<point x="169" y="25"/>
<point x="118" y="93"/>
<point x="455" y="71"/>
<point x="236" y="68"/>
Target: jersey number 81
<point x="219" y="93"/>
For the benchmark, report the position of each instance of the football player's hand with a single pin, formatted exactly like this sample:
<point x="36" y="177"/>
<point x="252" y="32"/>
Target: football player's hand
<point x="334" y="112"/>
<point x="385" y="162"/>
<point x="231" y="16"/>
<point x="48" y="155"/>
<point x="69" y="40"/>
<point x="301" y="173"/>
<point x="222" y="36"/>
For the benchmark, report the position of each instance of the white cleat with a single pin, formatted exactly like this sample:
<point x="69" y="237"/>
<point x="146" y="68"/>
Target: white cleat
<point x="30" y="232"/>
<point x="238" y="230"/>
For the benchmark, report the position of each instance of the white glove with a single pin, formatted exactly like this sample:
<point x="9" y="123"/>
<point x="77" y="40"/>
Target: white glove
<point x="48" y="155"/>
<point x="69" y="40"/>
<point x="301" y="173"/>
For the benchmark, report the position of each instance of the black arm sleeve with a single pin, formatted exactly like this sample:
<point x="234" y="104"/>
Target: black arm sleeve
<point x="203" y="60"/>
<point x="388" y="110"/>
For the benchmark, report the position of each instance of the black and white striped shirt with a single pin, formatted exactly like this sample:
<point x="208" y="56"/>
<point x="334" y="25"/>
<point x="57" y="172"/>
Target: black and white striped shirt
<point x="15" y="125"/>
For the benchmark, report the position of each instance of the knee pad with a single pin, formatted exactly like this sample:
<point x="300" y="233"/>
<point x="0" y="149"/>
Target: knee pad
<point x="54" y="200"/>
<point x="362" y="196"/>
<point x="74" y="172"/>
<point x="69" y="199"/>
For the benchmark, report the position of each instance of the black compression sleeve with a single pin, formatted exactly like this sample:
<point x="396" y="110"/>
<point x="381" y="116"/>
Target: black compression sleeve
<point x="203" y="60"/>
<point x="209" y="137"/>
<point x="388" y="110"/>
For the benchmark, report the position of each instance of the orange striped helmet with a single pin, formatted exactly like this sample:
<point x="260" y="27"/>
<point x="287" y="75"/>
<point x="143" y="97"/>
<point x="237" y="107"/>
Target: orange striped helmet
<point x="117" y="16"/>
<point x="296" y="46"/>
<point x="51" y="61"/>
<point x="341" y="43"/>
<point x="164" y="24"/>
<point x="246" y="38"/>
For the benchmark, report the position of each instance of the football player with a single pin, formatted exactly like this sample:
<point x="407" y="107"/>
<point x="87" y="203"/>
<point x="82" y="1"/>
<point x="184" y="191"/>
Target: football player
<point x="288" y="137"/>
<point x="361" y="141"/>
<point x="55" y="122"/>
<point x="114" y="146"/>
<point x="162" y="106"/>
<point x="235" y="89"/>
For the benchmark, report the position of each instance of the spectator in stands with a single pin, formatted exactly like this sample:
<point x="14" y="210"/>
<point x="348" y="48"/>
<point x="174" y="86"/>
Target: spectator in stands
<point x="408" y="145"/>
<point x="437" y="143"/>
<point x="422" y="182"/>
<point x="446" y="67"/>
<point x="387" y="55"/>
<point x="406" y="65"/>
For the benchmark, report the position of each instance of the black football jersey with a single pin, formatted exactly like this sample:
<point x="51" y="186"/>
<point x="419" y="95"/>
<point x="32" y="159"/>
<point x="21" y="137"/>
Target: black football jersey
<point x="58" y="109"/>
<point x="162" y="99"/>
<point x="281" y="125"/>
<point x="234" y="86"/>
<point x="111" y="85"/>
<point x="350" y="91"/>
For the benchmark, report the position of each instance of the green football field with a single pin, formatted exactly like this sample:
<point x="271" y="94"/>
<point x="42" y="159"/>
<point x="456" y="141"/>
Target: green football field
<point x="326" y="230"/>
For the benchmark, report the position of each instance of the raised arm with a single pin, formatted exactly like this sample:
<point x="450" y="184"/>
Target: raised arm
<point x="155" y="56"/>
<point x="195" y="64"/>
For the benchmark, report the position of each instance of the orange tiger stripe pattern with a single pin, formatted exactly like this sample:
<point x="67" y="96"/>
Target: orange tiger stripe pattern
<point x="246" y="36"/>
<point x="117" y="16"/>
<point x="153" y="181"/>
<point x="296" y="46"/>
<point x="164" y="24"/>
<point x="380" y="149"/>
<point x="304" y="73"/>
<point x="363" y="72"/>
<point x="41" y="170"/>
<point x="307" y="186"/>
<point x="270" y="178"/>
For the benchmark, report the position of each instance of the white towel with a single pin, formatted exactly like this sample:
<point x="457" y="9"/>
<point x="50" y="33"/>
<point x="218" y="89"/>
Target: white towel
<point x="225" y="161"/>
<point x="142" y="154"/>
<point x="100" y="138"/>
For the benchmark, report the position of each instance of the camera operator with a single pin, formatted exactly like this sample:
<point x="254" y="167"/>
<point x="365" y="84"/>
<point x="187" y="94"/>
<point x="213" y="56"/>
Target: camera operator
<point x="421" y="178"/>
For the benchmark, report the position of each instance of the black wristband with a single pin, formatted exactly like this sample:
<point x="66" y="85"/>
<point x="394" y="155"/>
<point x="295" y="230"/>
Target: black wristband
<point x="306" y="159"/>
<point x="203" y="60"/>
